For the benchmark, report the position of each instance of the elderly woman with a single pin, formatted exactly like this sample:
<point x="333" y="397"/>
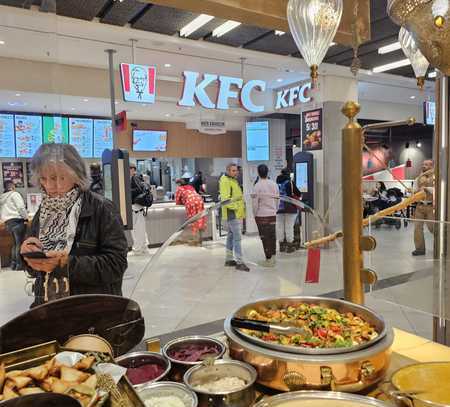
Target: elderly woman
<point x="77" y="244"/>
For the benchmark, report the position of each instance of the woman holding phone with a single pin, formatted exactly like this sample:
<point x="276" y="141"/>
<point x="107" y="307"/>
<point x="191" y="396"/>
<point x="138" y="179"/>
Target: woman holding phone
<point x="77" y="244"/>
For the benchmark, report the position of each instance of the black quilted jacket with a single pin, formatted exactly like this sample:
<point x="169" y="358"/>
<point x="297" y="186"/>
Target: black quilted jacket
<point x="98" y="258"/>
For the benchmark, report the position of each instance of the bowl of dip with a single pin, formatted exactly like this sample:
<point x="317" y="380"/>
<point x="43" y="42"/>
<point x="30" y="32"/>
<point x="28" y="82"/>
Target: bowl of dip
<point x="224" y="383"/>
<point x="190" y="351"/>
<point x="167" y="394"/>
<point x="144" y="367"/>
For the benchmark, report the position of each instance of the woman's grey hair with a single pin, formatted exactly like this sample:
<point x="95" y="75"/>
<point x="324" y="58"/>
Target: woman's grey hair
<point x="60" y="154"/>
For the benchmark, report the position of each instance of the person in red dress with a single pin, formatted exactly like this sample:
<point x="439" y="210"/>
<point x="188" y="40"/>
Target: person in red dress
<point x="193" y="203"/>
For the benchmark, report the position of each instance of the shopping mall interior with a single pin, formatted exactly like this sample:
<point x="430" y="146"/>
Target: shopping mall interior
<point x="184" y="91"/>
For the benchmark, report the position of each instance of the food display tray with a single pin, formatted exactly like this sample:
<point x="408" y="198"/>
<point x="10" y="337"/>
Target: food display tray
<point x="39" y="354"/>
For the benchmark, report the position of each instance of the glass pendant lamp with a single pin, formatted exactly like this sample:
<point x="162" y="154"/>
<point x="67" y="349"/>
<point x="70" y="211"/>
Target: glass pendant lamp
<point x="418" y="61"/>
<point x="313" y="25"/>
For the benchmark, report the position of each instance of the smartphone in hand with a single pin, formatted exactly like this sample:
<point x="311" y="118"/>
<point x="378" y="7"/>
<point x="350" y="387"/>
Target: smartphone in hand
<point x="35" y="255"/>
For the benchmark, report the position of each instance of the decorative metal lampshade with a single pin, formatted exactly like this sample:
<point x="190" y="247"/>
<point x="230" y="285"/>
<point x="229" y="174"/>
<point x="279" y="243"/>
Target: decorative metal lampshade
<point x="429" y="22"/>
<point x="313" y="25"/>
<point x="419" y="63"/>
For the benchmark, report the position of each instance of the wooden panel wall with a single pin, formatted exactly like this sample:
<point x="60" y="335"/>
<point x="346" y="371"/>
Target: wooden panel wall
<point x="186" y="143"/>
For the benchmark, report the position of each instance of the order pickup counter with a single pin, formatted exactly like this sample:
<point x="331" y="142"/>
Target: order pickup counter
<point x="165" y="218"/>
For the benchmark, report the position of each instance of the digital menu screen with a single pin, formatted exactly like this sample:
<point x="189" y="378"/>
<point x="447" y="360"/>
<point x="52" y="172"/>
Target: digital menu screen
<point x="257" y="134"/>
<point x="103" y="136"/>
<point x="149" y="140"/>
<point x="81" y="134"/>
<point x="56" y="129"/>
<point x="430" y="113"/>
<point x="301" y="177"/>
<point x="28" y="134"/>
<point x="7" y="143"/>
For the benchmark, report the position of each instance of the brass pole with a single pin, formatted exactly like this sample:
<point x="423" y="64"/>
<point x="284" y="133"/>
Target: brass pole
<point x="352" y="211"/>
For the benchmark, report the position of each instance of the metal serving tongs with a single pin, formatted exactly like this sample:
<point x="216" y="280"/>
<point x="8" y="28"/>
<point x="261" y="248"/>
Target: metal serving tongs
<point x="264" y="326"/>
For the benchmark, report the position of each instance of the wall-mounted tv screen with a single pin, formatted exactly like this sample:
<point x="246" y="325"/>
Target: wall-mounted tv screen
<point x="103" y="137"/>
<point x="56" y="129"/>
<point x="7" y="142"/>
<point x="430" y="113"/>
<point x="149" y="140"/>
<point x="81" y="134"/>
<point x="257" y="135"/>
<point x="28" y="134"/>
<point x="301" y="177"/>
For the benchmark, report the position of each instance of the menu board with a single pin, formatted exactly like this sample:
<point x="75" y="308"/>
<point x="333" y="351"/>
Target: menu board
<point x="28" y="134"/>
<point x="56" y="129"/>
<point x="7" y="144"/>
<point x="312" y="133"/>
<point x="81" y="133"/>
<point x="13" y="171"/>
<point x="258" y="148"/>
<point x="103" y="136"/>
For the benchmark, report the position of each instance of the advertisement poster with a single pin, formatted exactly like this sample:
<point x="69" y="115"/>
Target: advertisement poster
<point x="138" y="83"/>
<point x="81" y="133"/>
<point x="13" y="171"/>
<point x="56" y="129"/>
<point x="7" y="144"/>
<point x="103" y="137"/>
<point x="312" y="130"/>
<point x="33" y="202"/>
<point x="28" y="169"/>
<point x="28" y="134"/>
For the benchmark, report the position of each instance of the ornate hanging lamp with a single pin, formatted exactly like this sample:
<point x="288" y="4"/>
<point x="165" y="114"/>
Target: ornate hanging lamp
<point x="419" y="63"/>
<point x="313" y="25"/>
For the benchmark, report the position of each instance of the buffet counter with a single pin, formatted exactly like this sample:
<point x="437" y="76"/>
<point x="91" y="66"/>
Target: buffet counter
<point x="165" y="218"/>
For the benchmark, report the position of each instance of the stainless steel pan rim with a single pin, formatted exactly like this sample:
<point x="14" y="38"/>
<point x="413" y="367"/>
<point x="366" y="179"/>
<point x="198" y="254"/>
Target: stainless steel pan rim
<point x="340" y="305"/>
<point x="319" y="395"/>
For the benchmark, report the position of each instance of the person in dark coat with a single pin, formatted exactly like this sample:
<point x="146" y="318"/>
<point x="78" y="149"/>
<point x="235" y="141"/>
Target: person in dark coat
<point x="97" y="184"/>
<point x="80" y="232"/>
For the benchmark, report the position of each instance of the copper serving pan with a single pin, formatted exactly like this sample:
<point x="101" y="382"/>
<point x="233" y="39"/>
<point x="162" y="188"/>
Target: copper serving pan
<point x="339" y="305"/>
<point x="288" y="371"/>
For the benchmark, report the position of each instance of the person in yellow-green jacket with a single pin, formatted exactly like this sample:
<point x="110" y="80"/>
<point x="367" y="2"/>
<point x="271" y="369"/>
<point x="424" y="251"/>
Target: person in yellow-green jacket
<point x="233" y="215"/>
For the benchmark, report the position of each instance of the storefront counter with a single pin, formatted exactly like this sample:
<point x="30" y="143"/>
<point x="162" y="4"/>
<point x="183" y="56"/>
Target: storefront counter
<point x="165" y="218"/>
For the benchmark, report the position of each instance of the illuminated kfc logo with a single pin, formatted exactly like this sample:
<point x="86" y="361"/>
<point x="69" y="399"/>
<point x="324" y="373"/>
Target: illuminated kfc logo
<point x="138" y="83"/>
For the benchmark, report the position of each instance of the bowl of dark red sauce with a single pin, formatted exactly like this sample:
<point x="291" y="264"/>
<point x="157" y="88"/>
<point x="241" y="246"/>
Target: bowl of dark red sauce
<point x="144" y="367"/>
<point x="189" y="351"/>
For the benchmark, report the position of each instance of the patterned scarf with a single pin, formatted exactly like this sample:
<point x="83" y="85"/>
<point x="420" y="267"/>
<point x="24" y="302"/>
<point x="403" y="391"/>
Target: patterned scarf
<point x="58" y="220"/>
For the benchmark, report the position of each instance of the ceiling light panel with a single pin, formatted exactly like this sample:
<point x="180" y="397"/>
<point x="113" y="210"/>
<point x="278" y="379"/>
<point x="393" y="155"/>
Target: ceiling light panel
<point x="389" y="48"/>
<point x="225" y="28"/>
<point x="391" y="66"/>
<point x="195" y="24"/>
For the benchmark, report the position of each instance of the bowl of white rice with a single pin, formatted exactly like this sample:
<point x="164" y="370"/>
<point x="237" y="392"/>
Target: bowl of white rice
<point x="167" y="394"/>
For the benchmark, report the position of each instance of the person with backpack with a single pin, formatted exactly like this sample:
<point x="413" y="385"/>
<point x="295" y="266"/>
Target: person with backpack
<point x="187" y="196"/>
<point x="14" y="214"/>
<point x="287" y="212"/>
<point x="265" y="204"/>
<point x="141" y="199"/>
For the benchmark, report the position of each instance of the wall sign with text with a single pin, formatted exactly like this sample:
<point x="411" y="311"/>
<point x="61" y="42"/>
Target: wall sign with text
<point x="312" y="130"/>
<point x="292" y="96"/>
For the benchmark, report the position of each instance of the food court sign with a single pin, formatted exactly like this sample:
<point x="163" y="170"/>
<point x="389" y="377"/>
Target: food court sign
<point x="139" y="85"/>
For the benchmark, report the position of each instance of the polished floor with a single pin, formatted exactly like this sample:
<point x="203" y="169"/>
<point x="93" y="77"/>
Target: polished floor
<point x="188" y="286"/>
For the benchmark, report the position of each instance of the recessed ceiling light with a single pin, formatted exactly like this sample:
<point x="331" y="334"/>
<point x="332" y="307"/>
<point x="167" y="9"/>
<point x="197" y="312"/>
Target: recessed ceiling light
<point x="279" y="33"/>
<point x="2" y="42"/>
<point x="412" y="97"/>
<point x="279" y="80"/>
<point x="195" y="24"/>
<point x="389" y="48"/>
<point x="17" y="104"/>
<point x="225" y="28"/>
<point x="167" y="114"/>
<point x="18" y="94"/>
<point x="72" y="108"/>
<point x="85" y="100"/>
<point x="167" y="65"/>
<point x="393" y="65"/>
<point x="116" y="102"/>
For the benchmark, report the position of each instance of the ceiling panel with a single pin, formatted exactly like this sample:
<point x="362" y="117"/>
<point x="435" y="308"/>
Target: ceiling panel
<point x="378" y="9"/>
<point x="207" y="29"/>
<point x="283" y="45"/>
<point x="82" y="9"/>
<point x="163" y="20"/>
<point x="239" y="36"/>
<point x="120" y="13"/>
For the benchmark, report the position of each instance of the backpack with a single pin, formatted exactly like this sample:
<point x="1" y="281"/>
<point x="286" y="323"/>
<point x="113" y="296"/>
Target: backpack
<point x="283" y="187"/>
<point x="145" y="197"/>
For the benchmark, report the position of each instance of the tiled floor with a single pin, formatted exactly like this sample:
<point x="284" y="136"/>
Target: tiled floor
<point x="189" y="286"/>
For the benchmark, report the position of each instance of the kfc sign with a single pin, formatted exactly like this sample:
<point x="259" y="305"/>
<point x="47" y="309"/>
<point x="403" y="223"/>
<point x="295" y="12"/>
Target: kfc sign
<point x="292" y="96"/>
<point x="138" y="83"/>
<point x="229" y="88"/>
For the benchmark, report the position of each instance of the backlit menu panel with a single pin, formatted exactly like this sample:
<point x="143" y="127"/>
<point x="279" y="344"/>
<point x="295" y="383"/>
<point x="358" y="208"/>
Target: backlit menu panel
<point x="103" y="138"/>
<point x="28" y="134"/>
<point x="7" y="143"/>
<point x="56" y="129"/>
<point x="81" y="135"/>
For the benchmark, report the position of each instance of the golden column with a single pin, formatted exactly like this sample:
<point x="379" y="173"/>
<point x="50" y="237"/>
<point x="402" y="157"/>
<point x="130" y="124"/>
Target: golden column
<point x="352" y="211"/>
